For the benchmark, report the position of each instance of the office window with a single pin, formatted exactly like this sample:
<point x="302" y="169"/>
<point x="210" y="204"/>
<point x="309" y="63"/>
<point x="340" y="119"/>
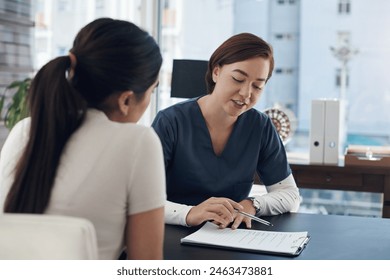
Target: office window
<point x="41" y="44"/>
<point x="64" y="6"/>
<point x="339" y="77"/>
<point x="344" y="7"/>
<point x="291" y="2"/>
<point x="302" y="42"/>
<point x="61" y="50"/>
<point x="284" y="71"/>
<point x="284" y="36"/>
<point x="279" y="36"/>
<point x="99" y="4"/>
<point x="169" y="17"/>
<point x="343" y="38"/>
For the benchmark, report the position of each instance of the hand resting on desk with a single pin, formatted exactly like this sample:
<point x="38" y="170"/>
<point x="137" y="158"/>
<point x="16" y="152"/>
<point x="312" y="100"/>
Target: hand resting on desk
<point x="221" y="211"/>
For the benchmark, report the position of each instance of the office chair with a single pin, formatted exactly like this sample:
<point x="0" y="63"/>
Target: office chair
<point x="188" y="78"/>
<point x="46" y="237"/>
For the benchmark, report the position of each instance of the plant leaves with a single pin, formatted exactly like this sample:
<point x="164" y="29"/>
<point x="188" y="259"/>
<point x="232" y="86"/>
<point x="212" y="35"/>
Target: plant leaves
<point x="18" y="109"/>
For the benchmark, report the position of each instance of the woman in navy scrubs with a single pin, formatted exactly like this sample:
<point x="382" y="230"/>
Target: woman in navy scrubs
<point x="214" y="144"/>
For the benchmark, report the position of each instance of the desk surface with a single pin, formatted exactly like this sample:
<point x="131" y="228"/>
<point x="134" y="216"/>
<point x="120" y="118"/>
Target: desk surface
<point x="332" y="238"/>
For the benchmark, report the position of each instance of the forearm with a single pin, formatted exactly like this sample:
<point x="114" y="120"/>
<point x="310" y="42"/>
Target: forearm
<point x="176" y="213"/>
<point x="282" y="197"/>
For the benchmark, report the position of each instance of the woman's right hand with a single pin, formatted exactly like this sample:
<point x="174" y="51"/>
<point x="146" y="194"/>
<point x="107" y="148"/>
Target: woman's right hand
<point x="219" y="210"/>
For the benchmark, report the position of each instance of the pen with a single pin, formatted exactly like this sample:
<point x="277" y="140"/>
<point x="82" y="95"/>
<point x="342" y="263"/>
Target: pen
<point x="254" y="218"/>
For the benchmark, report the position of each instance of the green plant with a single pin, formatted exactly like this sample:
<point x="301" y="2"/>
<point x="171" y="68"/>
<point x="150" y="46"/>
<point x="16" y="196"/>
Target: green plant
<point x="17" y="109"/>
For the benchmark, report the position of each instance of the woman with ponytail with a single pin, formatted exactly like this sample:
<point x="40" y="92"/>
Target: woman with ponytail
<point x="81" y="153"/>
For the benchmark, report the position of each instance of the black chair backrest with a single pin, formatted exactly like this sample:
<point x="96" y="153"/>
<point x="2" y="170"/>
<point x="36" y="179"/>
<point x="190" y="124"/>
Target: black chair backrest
<point x="188" y="78"/>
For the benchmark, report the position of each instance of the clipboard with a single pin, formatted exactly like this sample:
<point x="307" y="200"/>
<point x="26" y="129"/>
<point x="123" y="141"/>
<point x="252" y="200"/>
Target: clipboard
<point x="256" y="241"/>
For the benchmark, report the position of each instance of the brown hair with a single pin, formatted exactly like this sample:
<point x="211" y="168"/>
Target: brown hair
<point x="237" y="48"/>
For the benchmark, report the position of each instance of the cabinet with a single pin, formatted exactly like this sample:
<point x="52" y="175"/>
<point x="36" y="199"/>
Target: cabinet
<point x="345" y="178"/>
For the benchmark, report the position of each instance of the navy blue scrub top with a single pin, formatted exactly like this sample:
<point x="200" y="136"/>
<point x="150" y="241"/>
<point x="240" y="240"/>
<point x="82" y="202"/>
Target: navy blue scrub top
<point x="195" y="173"/>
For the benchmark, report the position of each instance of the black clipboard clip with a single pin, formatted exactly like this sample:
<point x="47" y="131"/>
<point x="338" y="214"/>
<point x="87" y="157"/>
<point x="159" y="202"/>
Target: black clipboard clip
<point x="302" y="246"/>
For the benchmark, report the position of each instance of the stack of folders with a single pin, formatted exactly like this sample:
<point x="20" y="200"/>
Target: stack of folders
<point x="257" y="241"/>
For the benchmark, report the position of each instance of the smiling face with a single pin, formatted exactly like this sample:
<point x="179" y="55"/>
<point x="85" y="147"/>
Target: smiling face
<point x="239" y="85"/>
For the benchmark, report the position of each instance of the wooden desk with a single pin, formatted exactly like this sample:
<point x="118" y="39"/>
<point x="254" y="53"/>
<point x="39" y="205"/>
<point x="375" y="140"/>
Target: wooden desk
<point x="333" y="237"/>
<point x="345" y="178"/>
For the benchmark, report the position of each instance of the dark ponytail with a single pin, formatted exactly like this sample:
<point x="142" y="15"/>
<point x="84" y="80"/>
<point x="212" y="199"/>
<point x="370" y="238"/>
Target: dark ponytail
<point x="110" y="56"/>
<point x="56" y="111"/>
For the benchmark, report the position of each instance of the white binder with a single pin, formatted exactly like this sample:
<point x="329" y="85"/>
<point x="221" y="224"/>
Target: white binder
<point x="333" y="126"/>
<point x="327" y="131"/>
<point x="317" y="131"/>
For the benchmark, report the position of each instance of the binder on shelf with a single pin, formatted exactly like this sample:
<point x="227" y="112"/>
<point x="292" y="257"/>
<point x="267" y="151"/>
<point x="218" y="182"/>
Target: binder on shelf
<point x="317" y="131"/>
<point x="326" y="131"/>
<point x="333" y="131"/>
